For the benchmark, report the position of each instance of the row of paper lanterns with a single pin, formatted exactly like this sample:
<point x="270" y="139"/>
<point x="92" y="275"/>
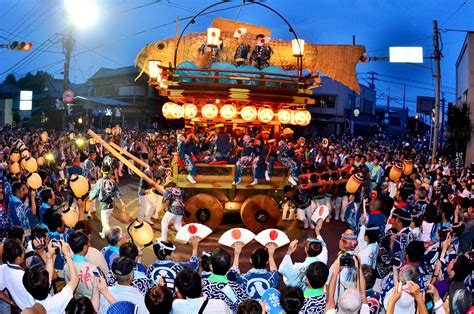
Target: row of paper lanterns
<point x="399" y="167"/>
<point x="172" y="110"/>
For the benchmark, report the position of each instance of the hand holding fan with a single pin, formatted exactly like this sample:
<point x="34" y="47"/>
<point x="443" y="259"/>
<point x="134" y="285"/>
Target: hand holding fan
<point x="272" y="236"/>
<point x="321" y="212"/>
<point x="236" y="235"/>
<point x="192" y="230"/>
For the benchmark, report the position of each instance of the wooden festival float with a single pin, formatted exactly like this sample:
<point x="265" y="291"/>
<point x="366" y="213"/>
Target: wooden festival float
<point x="205" y="89"/>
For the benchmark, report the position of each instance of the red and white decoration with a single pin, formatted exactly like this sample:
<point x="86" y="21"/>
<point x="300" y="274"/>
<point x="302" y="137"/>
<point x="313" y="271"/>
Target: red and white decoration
<point x="230" y="237"/>
<point x="272" y="236"/>
<point x="239" y="32"/>
<point x="321" y="212"/>
<point x="192" y="230"/>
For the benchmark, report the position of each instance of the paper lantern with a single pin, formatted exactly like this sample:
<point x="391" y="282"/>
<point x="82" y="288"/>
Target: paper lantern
<point x="228" y="112"/>
<point x="15" y="157"/>
<point x="396" y="171"/>
<point x="213" y="37"/>
<point x="302" y="117"/>
<point x="116" y="130"/>
<point x="108" y="131"/>
<point x="140" y="232"/>
<point x="25" y="154"/>
<point x="154" y="71"/>
<point x="33" y="180"/>
<point x="72" y="136"/>
<point x="354" y="182"/>
<point x="297" y="45"/>
<point x="70" y="217"/>
<point x="15" y="168"/>
<point x="167" y="108"/>
<point x="49" y="157"/>
<point x="407" y="166"/>
<point x="19" y="145"/>
<point x="248" y="113"/>
<point x="40" y="161"/>
<point x="177" y="112"/>
<point x="92" y="141"/>
<point x="209" y="111"/>
<point x="265" y="115"/>
<point x="80" y="142"/>
<point x="78" y="185"/>
<point x="284" y="116"/>
<point x="190" y="111"/>
<point x="44" y="136"/>
<point x="29" y="164"/>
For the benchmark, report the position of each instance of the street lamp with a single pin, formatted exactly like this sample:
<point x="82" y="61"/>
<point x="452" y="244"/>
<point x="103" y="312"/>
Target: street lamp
<point x="82" y="13"/>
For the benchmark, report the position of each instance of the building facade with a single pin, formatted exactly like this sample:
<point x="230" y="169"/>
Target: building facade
<point x="465" y="85"/>
<point x="333" y="112"/>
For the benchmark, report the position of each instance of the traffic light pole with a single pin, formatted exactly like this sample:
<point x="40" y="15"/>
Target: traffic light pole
<point x="68" y="43"/>
<point x="437" y="58"/>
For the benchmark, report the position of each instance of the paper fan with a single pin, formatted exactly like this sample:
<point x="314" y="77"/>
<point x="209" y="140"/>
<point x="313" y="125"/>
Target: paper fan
<point x="236" y="235"/>
<point x="272" y="236"/>
<point x="192" y="230"/>
<point x="321" y="212"/>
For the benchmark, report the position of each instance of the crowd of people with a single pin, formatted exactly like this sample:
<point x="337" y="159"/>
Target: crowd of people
<point x="407" y="247"/>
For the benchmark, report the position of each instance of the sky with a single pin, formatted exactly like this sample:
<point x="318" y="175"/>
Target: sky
<point x="124" y="27"/>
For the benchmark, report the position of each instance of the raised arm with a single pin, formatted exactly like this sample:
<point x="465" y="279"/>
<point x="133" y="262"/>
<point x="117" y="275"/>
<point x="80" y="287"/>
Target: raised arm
<point x="271" y="247"/>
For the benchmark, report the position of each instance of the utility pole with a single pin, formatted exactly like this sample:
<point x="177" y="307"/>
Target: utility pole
<point x="372" y="79"/>
<point x="443" y="101"/>
<point x="437" y="58"/>
<point x="388" y="104"/>
<point x="68" y="43"/>
<point x="404" y="120"/>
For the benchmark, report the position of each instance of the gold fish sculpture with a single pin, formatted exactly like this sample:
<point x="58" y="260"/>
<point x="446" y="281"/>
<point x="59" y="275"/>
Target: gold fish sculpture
<point x="336" y="61"/>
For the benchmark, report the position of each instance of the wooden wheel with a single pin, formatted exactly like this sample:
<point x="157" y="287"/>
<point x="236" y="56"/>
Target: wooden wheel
<point x="260" y="212"/>
<point x="204" y="209"/>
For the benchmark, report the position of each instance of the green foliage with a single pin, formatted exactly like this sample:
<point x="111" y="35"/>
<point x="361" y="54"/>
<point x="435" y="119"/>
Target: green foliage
<point x="459" y="126"/>
<point x="35" y="83"/>
<point x="10" y="79"/>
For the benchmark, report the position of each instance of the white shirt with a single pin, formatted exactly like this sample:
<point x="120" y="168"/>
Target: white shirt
<point x="426" y="228"/>
<point x="293" y="271"/>
<point x="124" y="293"/>
<point x="405" y="305"/>
<point x="56" y="304"/>
<point x="11" y="278"/>
<point x="365" y="309"/>
<point x="96" y="258"/>
<point x="182" y="306"/>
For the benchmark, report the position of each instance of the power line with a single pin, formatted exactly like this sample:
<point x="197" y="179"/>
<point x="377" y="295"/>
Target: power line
<point x="452" y="14"/>
<point x="409" y="80"/>
<point x="25" y="17"/>
<point x="134" y="34"/>
<point x="99" y="54"/>
<point x="11" y="8"/>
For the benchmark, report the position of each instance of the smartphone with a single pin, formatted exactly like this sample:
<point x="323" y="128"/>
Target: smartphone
<point x="101" y="273"/>
<point x="96" y="273"/>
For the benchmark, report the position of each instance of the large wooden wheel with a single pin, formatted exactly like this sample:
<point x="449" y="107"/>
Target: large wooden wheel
<point x="260" y="212"/>
<point x="204" y="209"/>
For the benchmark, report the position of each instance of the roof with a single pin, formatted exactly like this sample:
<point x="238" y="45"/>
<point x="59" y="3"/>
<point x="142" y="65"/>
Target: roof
<point x="106" y="72"/>
<point x="109" y="102"/>
<point x="6" y="88"/>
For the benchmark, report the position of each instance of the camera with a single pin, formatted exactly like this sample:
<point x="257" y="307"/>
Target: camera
<point x="56" y="245"/>
<point x="346" y="260"/>
<point x="40" y="246"/>
<point x="395" y="262"/>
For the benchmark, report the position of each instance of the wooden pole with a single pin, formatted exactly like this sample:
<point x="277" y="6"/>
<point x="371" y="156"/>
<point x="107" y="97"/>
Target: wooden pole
<point x="134" y="158"/>
<point x="125" y="161"/>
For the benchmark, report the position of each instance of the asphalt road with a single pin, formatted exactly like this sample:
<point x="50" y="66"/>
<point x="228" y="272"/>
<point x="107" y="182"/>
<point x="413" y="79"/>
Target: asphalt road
<point x="129" y="186"/>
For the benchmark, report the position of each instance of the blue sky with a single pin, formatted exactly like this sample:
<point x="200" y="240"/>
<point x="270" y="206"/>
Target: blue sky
<point x="125" y="26"/>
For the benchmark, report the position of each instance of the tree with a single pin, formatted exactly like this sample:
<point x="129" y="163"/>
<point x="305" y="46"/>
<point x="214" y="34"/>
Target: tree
<point x="10" y="79"/>
<point x="35" y="83"/>
<point x="459" y="126"/>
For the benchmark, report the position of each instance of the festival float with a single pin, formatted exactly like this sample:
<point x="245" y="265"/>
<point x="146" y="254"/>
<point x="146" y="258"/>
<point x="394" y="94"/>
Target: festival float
<point x="208" y="83"/>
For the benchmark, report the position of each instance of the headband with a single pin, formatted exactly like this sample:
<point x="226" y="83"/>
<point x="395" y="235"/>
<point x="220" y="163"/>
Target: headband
<point x="164" y="246"/>
<point x="310" y="240"/>
<point x="348" y="237"/>
<point x="372" y="228"/>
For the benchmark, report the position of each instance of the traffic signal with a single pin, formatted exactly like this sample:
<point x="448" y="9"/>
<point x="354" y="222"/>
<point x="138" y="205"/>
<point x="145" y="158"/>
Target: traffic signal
<point x="20" y="46"/>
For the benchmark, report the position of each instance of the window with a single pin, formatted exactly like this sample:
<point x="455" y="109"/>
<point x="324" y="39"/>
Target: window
<point x="367" y="106"/>
<point x="325" y="101"/>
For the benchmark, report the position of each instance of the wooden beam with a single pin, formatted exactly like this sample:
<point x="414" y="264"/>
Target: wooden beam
<point x="125" y="161"/>
<point x="134" y="158"/>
